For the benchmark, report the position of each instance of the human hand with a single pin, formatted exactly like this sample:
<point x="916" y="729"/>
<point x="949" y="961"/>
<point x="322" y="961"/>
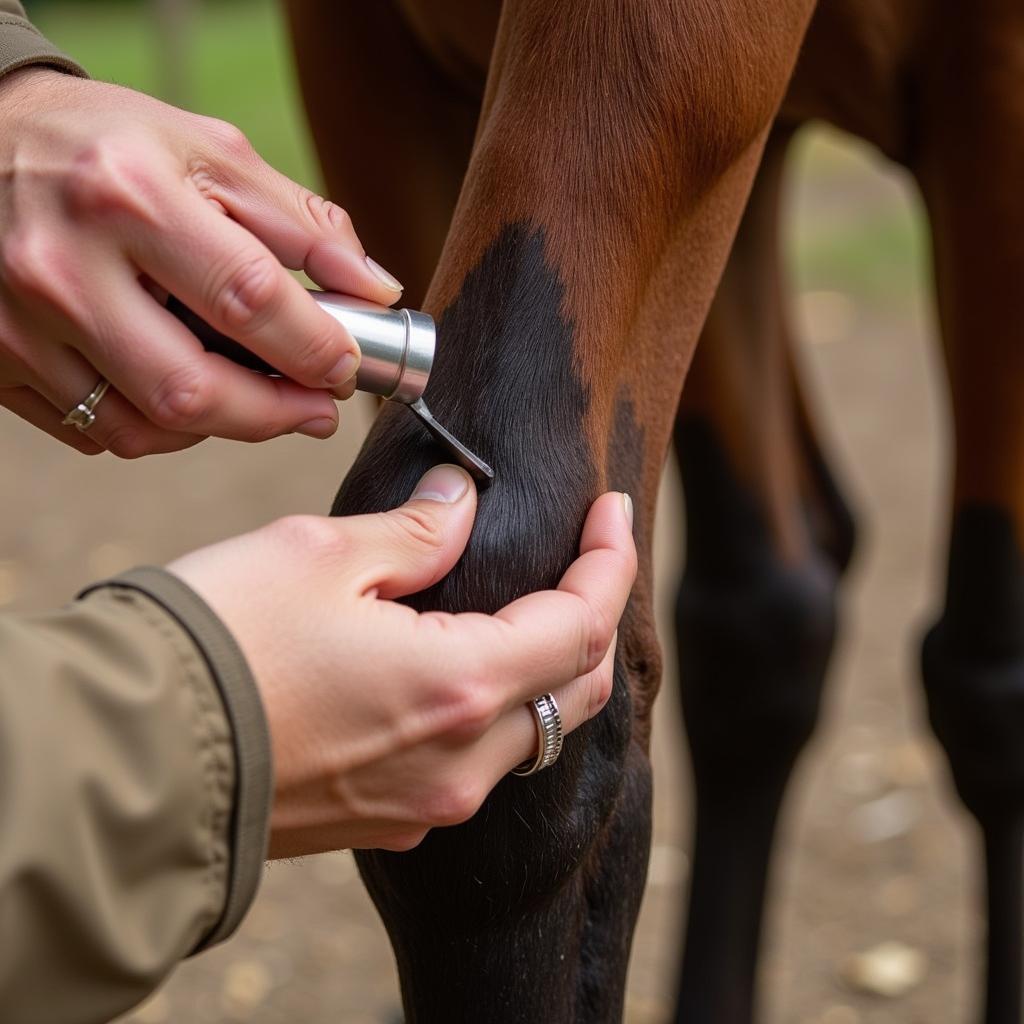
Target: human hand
<point x="109" y="200"/>
<point x="386" y="722"/>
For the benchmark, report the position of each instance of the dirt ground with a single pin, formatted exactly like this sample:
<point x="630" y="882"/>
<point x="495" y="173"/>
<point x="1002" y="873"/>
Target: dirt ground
<point x="873" y="849"/>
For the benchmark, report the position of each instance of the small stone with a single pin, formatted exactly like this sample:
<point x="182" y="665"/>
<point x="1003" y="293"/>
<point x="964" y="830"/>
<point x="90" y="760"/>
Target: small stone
<point x="890" y="969"/>
<point x="889" y="816"/>
<point x="246" y="984"/>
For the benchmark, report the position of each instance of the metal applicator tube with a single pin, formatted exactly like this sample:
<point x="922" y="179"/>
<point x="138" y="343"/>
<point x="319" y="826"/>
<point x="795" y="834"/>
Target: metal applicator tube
<point x="397" y="347"/>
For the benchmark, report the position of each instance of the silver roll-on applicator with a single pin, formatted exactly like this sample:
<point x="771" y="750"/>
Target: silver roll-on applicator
<point x="397" y="347"/>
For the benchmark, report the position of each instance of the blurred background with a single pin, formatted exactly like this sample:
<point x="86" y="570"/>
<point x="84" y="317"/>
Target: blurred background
<point x="872" y="919"/>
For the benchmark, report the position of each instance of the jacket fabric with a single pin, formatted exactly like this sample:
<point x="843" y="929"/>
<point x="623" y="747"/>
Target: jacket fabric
<point x="135" y="773"/>
<point x="21" y="43"/>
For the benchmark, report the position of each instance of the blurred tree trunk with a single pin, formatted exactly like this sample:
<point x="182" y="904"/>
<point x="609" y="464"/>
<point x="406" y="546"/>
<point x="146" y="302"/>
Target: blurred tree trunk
<point x="173" y="23"/>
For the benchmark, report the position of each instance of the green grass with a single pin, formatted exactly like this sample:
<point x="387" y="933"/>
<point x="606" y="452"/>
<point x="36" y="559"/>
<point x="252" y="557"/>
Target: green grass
<point x="241" y="67"/>
<point x="854" y="222"/>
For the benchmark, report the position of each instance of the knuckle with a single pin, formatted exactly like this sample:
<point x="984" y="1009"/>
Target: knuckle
<point x="248" y="294"/>
<point x="326" y="215"/>
<point x="475" y="708"/>
<point x="599" y="629"/>
<point x="454" y="803"/>
<point x="112" y="175"/>
<point x="601" y="689"/>
<point x="229" y="138"/>
<point x="318" y="353"/>
<point x="127" y="442"/>
<point x="181" y="399"/>
<point x="465" y="705"/>
<point x="27" y="262"/>
<point x="416" y="528"/>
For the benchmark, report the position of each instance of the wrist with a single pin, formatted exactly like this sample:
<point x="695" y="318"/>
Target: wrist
<point x="26" y="83"/>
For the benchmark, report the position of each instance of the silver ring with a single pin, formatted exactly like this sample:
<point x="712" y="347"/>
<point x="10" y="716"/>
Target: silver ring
<point x="83" y="416"/>
<point x="549" y="733"/>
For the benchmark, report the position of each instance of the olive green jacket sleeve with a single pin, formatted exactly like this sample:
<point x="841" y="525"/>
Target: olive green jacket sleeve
<point x="135" y="783"/>
<point x="22" y="44"/>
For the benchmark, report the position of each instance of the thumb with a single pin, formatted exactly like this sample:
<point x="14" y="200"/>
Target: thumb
<point x="305" y="232"/>
<point x="413" y="546"/>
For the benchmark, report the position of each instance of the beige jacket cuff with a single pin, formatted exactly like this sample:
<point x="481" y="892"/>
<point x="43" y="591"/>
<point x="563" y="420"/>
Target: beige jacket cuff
<point x="22" y="44"/>
<point x="249" y="827"/>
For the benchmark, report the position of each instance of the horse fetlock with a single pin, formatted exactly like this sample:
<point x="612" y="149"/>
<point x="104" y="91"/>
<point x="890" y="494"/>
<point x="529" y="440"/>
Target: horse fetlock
<point x="976" y="709"/>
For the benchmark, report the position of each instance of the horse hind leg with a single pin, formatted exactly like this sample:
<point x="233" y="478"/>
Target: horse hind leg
<point x="767" y="538"/>
<point x="973" y="657"/>
<point x="393" y="135"/>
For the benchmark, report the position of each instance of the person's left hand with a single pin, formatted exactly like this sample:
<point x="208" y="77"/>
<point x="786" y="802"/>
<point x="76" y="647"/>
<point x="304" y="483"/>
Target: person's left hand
<point x="385" y="722"/>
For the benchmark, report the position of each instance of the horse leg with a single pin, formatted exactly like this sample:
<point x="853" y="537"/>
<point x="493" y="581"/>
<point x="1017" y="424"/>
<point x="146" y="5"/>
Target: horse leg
<point x="755" y="613"/>
<point x="973" y="657"/>
<point x="616" y="149"/>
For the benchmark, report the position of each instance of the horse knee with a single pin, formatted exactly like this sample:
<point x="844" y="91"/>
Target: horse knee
<point x="753" y="654"/>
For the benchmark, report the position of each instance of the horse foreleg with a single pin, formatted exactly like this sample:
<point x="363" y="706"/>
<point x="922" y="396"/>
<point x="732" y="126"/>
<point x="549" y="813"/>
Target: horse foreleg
<point x="612" y="162"/>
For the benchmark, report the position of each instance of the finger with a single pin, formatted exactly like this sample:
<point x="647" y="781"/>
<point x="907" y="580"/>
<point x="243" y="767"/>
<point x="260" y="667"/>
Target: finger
<point x="303" y="230"/>
<point x="234" y="282"/>
<point x="35" y="409"/>
<point x="550" y="636"/>
<point x="412" y="547"/>
<point x="156" y="362"/>
<point x="513" y="738"/>
<point x="64" y="378"/>
<point x="603" y="576"/>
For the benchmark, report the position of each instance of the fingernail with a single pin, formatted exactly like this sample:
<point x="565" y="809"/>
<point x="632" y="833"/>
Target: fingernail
<point x="322" y="427"/>
<point x="386" y="279"/>
<point x="442" y="483"/>
<point x="344" y="370"/>
<point x="627" y="503"/>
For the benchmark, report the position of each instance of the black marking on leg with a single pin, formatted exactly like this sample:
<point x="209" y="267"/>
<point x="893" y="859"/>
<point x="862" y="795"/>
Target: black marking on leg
<point x="487" y="918"/>
<point x="506" y="383"/>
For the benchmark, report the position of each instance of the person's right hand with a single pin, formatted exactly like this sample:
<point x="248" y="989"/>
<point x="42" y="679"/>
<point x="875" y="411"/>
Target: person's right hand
<point x="385" y="722"/>
<point x="109" y="200"/>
